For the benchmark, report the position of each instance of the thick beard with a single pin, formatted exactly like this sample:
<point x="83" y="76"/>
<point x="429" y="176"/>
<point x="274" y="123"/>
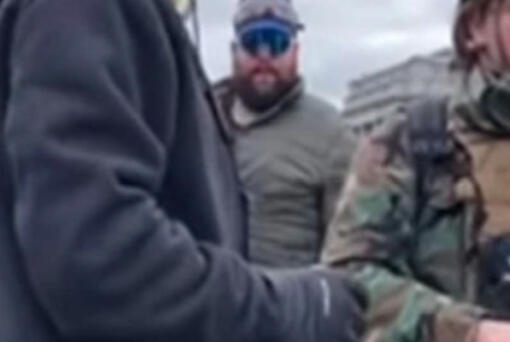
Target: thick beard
<point x="256" y="101"/>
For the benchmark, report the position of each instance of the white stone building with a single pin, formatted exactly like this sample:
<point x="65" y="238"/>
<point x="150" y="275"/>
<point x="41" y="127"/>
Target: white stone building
<point x="374" y="97"/>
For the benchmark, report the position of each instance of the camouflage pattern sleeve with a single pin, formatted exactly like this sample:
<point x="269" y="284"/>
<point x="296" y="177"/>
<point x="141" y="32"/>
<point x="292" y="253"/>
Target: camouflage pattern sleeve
<point x="336" y="169"/>
<point x="369" y="237"/>
<point x="402" y="310"/>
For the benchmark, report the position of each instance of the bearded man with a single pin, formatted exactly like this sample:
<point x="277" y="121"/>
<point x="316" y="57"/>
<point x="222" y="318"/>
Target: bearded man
<point x="291" y="148"/>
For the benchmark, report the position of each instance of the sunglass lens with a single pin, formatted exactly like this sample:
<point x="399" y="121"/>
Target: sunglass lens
<point x="276" y="41"/>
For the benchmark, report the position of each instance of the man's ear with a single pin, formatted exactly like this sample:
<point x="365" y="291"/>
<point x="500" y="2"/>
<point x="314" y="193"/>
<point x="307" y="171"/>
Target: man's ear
<point x="295" y="48"/>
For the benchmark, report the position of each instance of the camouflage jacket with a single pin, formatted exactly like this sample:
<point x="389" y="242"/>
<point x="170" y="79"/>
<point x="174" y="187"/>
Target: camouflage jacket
<point x="417" y="258"/>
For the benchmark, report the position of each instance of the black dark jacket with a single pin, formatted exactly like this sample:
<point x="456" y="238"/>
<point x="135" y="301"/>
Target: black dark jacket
<point x="117" y="187"/>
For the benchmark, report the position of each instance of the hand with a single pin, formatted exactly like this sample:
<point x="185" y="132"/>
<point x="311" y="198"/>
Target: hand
<point x="492" y="331"/>
<point x="369" y="162"/>
<point x="324" y="305"/>
<point x="347" y="303"/>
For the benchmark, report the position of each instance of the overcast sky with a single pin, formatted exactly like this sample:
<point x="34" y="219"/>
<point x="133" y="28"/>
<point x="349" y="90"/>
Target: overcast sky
<point x="343" y="40"/>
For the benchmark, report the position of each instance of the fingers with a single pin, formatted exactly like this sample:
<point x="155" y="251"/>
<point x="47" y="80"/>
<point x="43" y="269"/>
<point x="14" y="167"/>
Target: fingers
<point x="369" y="163"/>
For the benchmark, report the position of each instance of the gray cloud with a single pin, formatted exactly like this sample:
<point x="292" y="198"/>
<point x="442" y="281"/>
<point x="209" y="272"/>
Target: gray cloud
<point x="343" y="39"/>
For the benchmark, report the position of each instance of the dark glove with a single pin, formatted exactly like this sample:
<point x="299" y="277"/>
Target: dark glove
<point x="319" y="306"/>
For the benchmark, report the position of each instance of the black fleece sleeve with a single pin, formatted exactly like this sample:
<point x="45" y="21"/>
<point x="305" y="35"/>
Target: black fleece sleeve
<point x="105" y="261"/>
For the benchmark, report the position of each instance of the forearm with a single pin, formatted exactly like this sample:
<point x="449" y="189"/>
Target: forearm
<point x="402" y="309"/>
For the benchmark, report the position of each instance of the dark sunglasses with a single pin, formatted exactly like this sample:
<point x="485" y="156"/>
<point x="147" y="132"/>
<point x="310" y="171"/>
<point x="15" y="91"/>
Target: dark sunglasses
<point x="275" y="40"/>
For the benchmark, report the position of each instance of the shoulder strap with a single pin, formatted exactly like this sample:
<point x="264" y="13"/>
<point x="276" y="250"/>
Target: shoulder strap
<point x="429" y="145"/>
<point x="428" y="133"/>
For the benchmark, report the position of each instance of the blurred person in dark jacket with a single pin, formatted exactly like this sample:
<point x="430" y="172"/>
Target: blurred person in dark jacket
<point x="291" y="148"/>
<point x="120" y="216"/>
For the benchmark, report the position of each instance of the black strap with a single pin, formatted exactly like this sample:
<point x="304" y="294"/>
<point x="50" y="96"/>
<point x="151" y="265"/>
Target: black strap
<point x="431" y="146"/>
<point x="428" y="129"/>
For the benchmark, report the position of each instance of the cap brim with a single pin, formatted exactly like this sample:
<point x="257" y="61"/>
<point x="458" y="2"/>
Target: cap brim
<point x="269" y="23"/>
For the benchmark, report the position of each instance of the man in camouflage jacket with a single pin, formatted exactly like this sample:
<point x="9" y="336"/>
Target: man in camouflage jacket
<point x="427" y="207"/>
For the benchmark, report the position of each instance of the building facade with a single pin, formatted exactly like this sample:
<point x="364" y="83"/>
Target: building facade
<point x="374" y="97"/>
